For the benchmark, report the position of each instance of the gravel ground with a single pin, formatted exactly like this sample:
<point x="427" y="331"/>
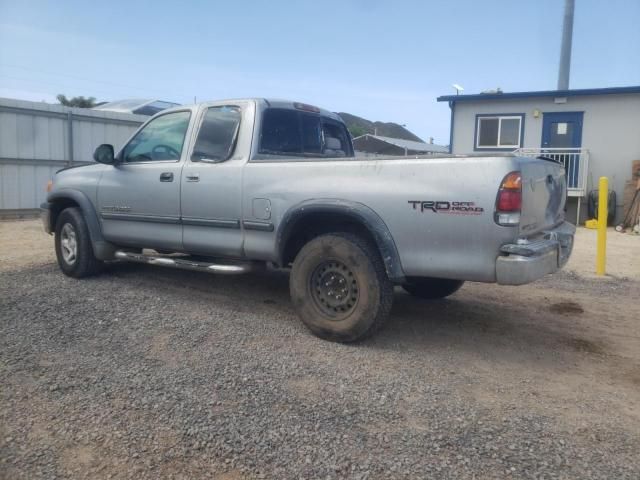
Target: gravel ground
<point x="144" y="372"/>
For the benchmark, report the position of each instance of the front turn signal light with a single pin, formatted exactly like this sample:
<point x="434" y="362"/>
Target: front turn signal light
<point x="49" y="185"/>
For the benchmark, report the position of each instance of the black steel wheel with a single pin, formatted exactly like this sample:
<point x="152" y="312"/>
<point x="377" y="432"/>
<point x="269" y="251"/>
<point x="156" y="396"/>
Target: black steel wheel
<point x="339" y="287"/>
<point x="334" y="288"/>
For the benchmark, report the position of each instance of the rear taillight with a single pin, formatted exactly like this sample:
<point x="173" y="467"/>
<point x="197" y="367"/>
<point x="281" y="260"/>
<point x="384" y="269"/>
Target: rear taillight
<point x="509" y="200"/>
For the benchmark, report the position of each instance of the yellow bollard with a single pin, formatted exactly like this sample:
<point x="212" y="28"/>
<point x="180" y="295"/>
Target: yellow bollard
<point x="603" y="212"/>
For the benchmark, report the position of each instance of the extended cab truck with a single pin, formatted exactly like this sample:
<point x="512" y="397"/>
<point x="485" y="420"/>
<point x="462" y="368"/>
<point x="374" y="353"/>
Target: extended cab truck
<point x="229" y="186"/>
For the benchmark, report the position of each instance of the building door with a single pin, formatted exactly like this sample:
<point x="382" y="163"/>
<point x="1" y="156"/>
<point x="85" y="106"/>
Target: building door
<point x="562" y="135"/>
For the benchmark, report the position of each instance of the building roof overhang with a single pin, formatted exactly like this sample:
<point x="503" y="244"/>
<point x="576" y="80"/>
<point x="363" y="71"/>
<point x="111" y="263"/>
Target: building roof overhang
<point x="540" y="93"/>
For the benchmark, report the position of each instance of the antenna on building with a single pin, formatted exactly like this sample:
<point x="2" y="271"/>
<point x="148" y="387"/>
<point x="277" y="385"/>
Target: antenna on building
<point x="458" y="88"/>
<point x="565" y="48"/>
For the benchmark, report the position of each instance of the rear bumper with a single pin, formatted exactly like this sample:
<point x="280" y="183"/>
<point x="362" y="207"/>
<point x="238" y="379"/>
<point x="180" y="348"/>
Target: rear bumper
<point x="531" y="259"/>
<point x="45" y="216"/>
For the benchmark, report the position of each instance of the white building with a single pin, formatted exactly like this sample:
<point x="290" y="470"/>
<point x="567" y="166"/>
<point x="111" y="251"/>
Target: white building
<point x="593" y="132"/>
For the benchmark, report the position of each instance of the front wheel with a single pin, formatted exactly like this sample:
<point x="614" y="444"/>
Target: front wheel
<point x="73" y="245"/>
<point x="432" y="288"/>
<point x="339" y="287"/>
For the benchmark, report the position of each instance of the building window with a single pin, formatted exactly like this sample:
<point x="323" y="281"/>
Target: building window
<point x="499" y="131"/>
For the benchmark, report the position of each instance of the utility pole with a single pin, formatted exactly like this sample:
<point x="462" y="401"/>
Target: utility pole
<point x="565" y="49"/>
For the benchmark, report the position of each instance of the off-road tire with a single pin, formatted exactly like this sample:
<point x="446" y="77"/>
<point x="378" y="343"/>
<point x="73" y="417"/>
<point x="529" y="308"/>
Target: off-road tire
<point x="432" y="288"/>
<point x="85" y="263"/>
<point x="358" y="269"/>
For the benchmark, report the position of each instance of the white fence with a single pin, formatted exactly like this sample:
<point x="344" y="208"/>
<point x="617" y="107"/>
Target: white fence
<point x="37" y="139"/>
<point x="575" y="161"/>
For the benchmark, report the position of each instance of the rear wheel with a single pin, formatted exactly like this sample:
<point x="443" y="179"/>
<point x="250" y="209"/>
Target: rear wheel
<point x="432" y="288"/>
<point x="339" y="287"/>
<point x="73" y="245"/>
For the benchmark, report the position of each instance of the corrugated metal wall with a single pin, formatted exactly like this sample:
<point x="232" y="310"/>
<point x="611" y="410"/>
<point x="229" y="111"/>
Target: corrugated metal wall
<point x="35" y="140"/>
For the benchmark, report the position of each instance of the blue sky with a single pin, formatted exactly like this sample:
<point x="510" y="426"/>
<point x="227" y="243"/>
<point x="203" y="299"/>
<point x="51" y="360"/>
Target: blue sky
<point x="381" y="60"/>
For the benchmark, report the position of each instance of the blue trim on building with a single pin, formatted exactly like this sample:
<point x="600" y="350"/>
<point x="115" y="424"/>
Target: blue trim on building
<point x="569" y="117"/>
<point x="497" y="149"/>
<point x="542" y="93"/>
<point x="549" y="117"/>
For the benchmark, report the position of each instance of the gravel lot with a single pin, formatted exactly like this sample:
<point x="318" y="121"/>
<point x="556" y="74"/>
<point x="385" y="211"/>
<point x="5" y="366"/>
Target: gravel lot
<point x="144" y="372"/>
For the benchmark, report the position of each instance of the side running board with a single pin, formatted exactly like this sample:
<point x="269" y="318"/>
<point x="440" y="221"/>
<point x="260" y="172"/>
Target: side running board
<point x="184" y="263"/>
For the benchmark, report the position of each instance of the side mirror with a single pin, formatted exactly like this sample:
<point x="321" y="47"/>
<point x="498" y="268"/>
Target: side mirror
<point x="104" y="154"/>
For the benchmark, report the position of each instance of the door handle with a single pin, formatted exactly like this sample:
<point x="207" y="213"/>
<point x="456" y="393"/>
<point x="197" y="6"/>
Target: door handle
<point x="166" y="177"/>
<point x="193" y="177"/>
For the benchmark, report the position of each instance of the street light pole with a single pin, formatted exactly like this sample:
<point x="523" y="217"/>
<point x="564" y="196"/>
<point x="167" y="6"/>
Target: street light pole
<point x="565" y="49"/>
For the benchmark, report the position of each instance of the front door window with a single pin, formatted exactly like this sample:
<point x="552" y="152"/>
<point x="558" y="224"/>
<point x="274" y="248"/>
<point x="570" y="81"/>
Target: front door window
<point x="161" y="139"/>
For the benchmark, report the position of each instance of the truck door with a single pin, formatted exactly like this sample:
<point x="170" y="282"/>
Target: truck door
<point x="139" y="197"/>
<point x="212" y="184"/>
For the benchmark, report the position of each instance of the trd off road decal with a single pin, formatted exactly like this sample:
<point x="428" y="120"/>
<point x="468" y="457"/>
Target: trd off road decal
<point x="446" y="207"/>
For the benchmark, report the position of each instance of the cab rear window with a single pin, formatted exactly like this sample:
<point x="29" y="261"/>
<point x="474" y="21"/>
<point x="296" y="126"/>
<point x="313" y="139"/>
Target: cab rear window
<point x="303" y="134"/>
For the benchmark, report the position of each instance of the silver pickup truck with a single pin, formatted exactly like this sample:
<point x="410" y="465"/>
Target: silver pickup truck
<point x="230" y="186"/>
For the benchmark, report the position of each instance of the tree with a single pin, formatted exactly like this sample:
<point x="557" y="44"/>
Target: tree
<point x="357" y="130"/>
<point x="80" y="102"/>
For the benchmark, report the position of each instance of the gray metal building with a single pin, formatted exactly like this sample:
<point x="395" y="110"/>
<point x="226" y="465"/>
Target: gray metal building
<point x="379" y="145"/>
<point x="36" y="139"/>
<point x="593" y="132"/>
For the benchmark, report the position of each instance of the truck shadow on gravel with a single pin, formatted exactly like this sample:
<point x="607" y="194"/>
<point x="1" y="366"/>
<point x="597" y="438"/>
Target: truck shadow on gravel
<point x="469" y="320"/>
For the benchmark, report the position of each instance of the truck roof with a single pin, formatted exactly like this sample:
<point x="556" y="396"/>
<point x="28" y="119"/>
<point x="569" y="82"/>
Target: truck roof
<point x="269" y="103"/>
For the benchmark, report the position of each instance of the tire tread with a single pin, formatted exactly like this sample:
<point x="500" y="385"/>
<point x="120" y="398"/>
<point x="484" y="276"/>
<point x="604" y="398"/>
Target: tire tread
<point x="385" y="287"/>
<point x="86" y="264"/>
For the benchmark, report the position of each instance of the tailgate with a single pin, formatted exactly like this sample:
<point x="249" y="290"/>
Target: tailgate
<point x="544" y="194"/>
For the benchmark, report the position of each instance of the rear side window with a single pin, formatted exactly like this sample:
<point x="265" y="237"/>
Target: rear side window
<point x="335" y="139"/>
<point x="280" y="132"/>
<point x="311" y="134"/>
<point x="301" y="134"/>
<point x="218" y="133"/>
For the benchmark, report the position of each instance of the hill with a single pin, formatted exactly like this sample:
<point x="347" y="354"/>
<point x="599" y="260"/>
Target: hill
<point x="359" y="126"/>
